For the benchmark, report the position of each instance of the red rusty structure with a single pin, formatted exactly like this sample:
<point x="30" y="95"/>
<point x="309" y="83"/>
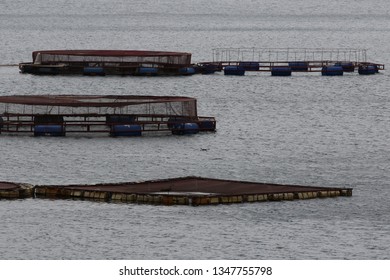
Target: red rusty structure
<point x="116" y="115"/>
<point x="108" y="62"/>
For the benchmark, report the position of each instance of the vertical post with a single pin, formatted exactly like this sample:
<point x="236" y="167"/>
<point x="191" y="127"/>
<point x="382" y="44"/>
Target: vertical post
<point x="287" y="51"/>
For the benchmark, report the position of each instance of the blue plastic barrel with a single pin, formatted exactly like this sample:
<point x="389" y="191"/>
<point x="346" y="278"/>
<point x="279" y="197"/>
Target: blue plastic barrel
<point x="299" y="66"/>
<point x="209" y="69"/>
<point x="332" y="70"/>
<point x="48" y="70"/>
<point x="147" y="71"/>
<point x="234" y="70"/>
<point x="347" y="66"/>
<point x="49" y="130"/>
<point x="207" y="125"/>
<point x="250" y="65"/>
<point x="126" y="130"/>
<point x="187" y="71"/>
<point x="367" y="69"/>
<point x="281" y="71"/>
<point x="185" y="128"/>
<point x="99" y="71"/>
<point x="175" y="121"/>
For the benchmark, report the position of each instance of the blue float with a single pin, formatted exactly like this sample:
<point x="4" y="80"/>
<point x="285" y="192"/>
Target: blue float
<point x="48" y="70"/>
<point x="250" y="65"/>
<point x="49" y="130"/>
<point x="347" y="66"/>
<point x="207" y="125"/>
<point x="332" y="70"/>
<point x="175" y="121"/>
<point x="146" y="71"/>
<point x="299" y="66"/>
<point x="209" y="69"/>
<point x="234" y="70"/>
<point x="93" y="71"/>
<point x="367" y="69"/>
<point x="185" y="128"/>
<point x="187" y="71"/>
<point x="126" y="130"/>
<point x="281" y="71"/>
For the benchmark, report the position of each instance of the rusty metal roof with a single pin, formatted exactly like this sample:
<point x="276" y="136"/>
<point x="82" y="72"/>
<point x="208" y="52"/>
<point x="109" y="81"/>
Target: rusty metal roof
<point x="110" y="53"/>
<point x="90" y="100"/>
<point x="196" y="185"/>
<point x="8" y="186"/>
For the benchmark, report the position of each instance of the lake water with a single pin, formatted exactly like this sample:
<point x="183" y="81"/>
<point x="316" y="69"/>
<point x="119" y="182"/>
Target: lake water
<point x="305" y="129"/>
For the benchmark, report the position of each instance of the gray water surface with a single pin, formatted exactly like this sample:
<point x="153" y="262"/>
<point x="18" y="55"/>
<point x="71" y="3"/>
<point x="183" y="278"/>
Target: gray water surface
<point x="305" y="129"/>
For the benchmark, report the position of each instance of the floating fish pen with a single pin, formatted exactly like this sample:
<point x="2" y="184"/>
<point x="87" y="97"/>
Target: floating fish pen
<point x="125" y="115"/>
<point x="15" y="190"/>
<point x="189" y="191"/>
<point x="108" y="62"/>
<point x="281" y="62"/>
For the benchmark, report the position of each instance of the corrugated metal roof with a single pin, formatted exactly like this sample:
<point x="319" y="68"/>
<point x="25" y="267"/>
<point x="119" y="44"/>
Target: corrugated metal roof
<point x="110" y="53"/>
<point x="197" y="184"/>
<point x="90" y="100"/>
<point x="8" y="186"/>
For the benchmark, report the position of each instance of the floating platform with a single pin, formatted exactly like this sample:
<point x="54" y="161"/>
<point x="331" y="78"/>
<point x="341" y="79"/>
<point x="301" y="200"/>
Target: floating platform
<point x="114" y="115"/>
<point x="15" y="190"/>
<point x="281" y="62"/>
<point x="233" y="61"/>
<point x="108" y="62"/>
<point x="188" y="191"/>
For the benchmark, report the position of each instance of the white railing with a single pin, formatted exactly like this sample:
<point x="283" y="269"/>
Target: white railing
<point x="288" y="54"/>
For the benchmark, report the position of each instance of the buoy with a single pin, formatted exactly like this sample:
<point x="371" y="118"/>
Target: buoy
<point x="209" y="69"/>
<point x="49" y="130"/>
<point x="185" y="128"/>
<point x="298" y="66"/>
<point x="347" y="66"/>
<point x="281" y="71"/>
<point x="234" y="70"/>
<point x="250" y="65"/>
<point x="207" y="125"/>
<point x="93" y="71"/>
<point x="332" y="70"/>
<point x="187" y="71"/>
<point x="368" y="69"/>
<point x="126" y="130"/>
<point x="147" y="71"/>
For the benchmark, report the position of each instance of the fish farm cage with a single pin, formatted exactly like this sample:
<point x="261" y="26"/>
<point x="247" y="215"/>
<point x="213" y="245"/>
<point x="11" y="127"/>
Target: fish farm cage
<point x="108" y="62"/>
<point x="282" y="62"/>
<point x="125" y="115"/>
<point x="233" y="61"/>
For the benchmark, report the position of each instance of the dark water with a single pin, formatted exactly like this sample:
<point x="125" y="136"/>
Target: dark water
<point x="304" y="129"/>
